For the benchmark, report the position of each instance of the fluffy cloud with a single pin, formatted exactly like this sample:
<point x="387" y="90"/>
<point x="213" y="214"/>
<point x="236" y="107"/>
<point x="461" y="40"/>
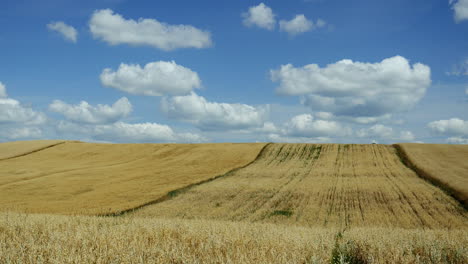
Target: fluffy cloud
<point x="12" y="111"/>
<point x="154" y="79"/>
<point x="358" y="120"/>
<point x="114" y="29"/>
<point x="386" y="133"/>
<point x="461" y="9"/>
<point x="299" y="24"/>
<point x="356" y="89"/>
<point x="15" y="133"/>
<point x="261" y="16"/>
<point x="18" y="121"/>
<point x="306" y="126"/>
<point x="86" y="113"/>
<point x="211" y="115"/>
<point x="452" y="127"/>
<point x="124" y="132"/>
<point x="285" y="139"/>
<point x="67" y="31"/>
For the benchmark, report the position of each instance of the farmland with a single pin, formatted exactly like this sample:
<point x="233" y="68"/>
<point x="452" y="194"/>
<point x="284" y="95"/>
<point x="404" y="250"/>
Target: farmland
<point x="231" y="203"/>
<point x="88" y="178"/>
<point x="326" y="185"/>
<point x="80" y="239"/>
<point x="444" y="165"/>
<point x="10" y="150"/>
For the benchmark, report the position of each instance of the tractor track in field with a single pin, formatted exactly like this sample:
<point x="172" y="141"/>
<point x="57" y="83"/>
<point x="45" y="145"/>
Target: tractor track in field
<point x="327" y="185"/>
<point x="33" y="151"/>
<point x="176" y="192"/>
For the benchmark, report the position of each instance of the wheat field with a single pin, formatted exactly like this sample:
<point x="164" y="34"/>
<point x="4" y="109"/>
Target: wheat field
<point x="88" y="178"/>
<point x="13" y="149"/>
<point x="30" y="238"/>
<point x="445" y="165"/>
<point x="230" y="203"/>
<point x="327" y="185"/>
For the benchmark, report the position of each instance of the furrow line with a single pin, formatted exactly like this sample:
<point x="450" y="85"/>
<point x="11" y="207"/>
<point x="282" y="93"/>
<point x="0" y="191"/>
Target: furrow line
<point x="176" y="192"/>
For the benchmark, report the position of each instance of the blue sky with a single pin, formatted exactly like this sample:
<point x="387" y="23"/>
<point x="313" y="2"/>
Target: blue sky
<point x="234" y="71"/>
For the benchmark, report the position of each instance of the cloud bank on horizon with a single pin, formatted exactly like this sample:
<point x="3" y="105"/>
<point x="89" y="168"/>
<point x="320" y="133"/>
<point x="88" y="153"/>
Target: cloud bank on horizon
<point x="292" y="83"/>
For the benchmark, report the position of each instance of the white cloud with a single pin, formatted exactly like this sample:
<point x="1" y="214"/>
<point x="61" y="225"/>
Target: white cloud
<point x="379" y="131"/>
<point x="300" y="24"/>
<point x="154" y="79"/>
<point x="114" y="29"/>
<point x="3" y="92"/>
<point x="385" y="133"/>
<point x="15" y="133"/>
<point x="67" y="31"/>
<point x="285" y="139"/>
<point x="18" y="121"/>
<point x="457" y="140"/>
<point x="306" y="126"/>
<point x="86" y="113"/>
<point x="461" y="9"/>
<point x="12" y="111"/>
<point x="261" y="16"/>
<point x="453" y="127"/>
<point x="211" y="115"/>
<point x="124" y="132"/>
<point x="356" y="89"/>
<point x="358" y="120"/>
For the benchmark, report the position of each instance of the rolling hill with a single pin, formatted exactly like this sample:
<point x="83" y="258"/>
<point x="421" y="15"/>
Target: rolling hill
<point x="232" y="203"/>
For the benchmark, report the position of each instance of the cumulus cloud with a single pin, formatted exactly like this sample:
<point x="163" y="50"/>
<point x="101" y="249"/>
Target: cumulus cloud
<point x="125" y="132"/>
<point x="114" y="29"/>
<point x="286" y="139"/>
<point x="18" y="121"/>
<point x="450" y="127"/>
<point x="385" y="133"/>
<point x="12" y="111"/>
<point x="306" y="126"/>
<point x="261" y="16"/>
<point x="68" y="32"/>
<point x="299" y="24"/>
<point x="357" y="89"/>
<point x="15" y="133"/>
<point x="461" y="9"/>
<point x="86" y="113"/>
<point x="154" y="79"/>
<point x="212" y="115"/>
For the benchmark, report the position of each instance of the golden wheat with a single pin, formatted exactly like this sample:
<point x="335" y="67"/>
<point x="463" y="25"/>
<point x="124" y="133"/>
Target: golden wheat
<point x="28" y="238"/>
<point x="85" y="178"/>
<point x="326" y="185"/>
<point x="9" y="150"/>
<point x="445" y="165"/>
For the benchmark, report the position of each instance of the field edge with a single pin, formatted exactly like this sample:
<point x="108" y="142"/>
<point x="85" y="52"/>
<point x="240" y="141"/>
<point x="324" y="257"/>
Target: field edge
<point x="408" y="162"/>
